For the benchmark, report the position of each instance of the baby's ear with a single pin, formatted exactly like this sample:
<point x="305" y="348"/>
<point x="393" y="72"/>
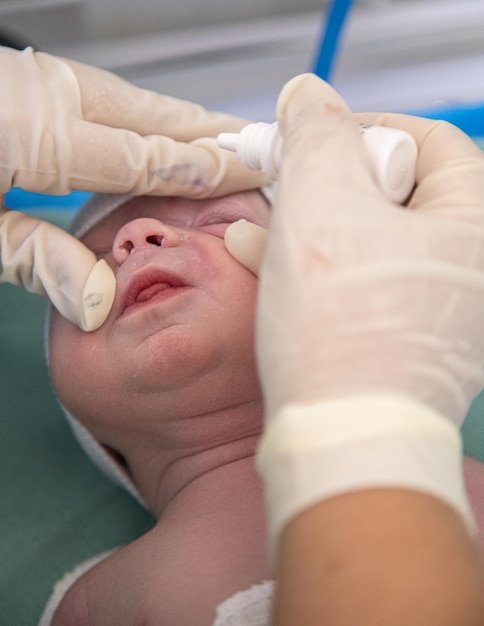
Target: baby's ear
<point x="246" y="242"/>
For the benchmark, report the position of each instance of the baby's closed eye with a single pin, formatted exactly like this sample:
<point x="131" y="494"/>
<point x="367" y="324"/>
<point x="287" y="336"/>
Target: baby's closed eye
<point x="215" y="220"/>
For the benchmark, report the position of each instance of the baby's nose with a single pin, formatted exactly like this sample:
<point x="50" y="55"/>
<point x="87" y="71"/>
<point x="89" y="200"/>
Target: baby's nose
<point x="140" y="234"/>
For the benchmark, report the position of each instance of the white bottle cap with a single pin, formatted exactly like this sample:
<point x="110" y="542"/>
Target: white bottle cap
<point x="393" y="154"/>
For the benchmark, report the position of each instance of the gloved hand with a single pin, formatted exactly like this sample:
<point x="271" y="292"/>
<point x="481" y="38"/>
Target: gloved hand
<point x="68" y="126"/>
<point x="370" y="334"/>
<point x="65" y="126"/>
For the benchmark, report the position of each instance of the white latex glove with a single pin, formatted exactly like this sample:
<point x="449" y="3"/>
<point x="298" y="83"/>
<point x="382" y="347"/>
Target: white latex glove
<point x="47" y="261"/>
<point x="66" y="126"/>
<point x="246" y="242"/>
<point x="370" y="330"/>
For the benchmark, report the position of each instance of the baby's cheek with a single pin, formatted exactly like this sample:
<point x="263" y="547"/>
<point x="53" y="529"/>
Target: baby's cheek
<point x="62" y="355"/>
<point x="72" y="362"/>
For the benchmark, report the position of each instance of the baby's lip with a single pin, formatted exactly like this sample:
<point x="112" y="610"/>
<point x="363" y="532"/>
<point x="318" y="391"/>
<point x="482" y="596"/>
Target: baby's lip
<point x="147" y="284"/>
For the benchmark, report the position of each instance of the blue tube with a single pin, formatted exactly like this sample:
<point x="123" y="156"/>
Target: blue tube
<point x="329" y="42"/>
<point x="469" y="117"/>
<point x="26" y="200"/>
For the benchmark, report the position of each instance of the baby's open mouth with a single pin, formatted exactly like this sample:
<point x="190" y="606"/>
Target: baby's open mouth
<point x="146" y="294"/>
<point x="151" y="285"/>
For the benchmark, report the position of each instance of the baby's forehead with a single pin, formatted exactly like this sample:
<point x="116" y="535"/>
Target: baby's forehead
<point x="164" y="208"/>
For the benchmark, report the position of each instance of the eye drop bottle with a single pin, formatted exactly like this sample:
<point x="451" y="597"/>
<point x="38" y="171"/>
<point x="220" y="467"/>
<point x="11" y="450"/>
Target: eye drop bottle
<point x="393" y="154"/>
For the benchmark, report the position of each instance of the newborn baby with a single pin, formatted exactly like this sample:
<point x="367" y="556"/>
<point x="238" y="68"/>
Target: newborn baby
<point x="165" y="397"/>
<point x="169" y="389"/>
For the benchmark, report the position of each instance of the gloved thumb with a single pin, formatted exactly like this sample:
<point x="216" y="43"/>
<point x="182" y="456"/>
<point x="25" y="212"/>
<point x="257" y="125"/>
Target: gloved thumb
<point x="246" y="242"/>
<point x="325" y="165"/>
<point x="47" y="261"/>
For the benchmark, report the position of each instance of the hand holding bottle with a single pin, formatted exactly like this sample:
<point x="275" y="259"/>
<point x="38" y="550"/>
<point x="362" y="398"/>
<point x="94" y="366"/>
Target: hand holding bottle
<point x="370" y="343"/>
<point x="392" y="154"/>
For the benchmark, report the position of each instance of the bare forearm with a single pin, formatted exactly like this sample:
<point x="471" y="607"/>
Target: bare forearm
<point x="382" y="557"/>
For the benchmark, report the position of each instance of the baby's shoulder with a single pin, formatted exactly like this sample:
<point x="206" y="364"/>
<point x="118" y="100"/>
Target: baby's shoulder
<point x="172" y="575"/>
<point x="68" y="596"/>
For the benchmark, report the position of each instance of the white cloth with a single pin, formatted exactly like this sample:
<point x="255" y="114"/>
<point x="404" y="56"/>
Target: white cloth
<point x="251" y="607"/>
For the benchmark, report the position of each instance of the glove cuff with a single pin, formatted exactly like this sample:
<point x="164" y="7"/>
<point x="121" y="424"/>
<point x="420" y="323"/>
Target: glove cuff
<point x="311" y="452"/>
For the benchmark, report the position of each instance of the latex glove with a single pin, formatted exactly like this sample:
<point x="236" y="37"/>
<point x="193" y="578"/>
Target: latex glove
<point x="47" y="261"/>
<point x="246" y="242"/>
<point x="370" y="333"/>
<point x="66" y="126"/>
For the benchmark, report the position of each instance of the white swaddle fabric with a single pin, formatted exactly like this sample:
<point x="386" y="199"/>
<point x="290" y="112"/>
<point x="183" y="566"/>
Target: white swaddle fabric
<point x="251" y="607"/>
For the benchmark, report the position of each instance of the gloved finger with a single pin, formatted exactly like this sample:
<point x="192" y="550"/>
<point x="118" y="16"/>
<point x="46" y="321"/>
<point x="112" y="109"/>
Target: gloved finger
<point x="80" y="287"/>
<point x="326" y="191"/>
<point x="84" y="298"/>
<point x="450" y="165"/>
<point x="50" y="148"/>
<point x="325" y="169"/>
<point x="438" y="141"/>
<point x="45" y="260"/>
<point x="152" y="165"/>
<point x="110" y="100"/>
<point x="247" y="242"/>
<point x="322" y="146"/>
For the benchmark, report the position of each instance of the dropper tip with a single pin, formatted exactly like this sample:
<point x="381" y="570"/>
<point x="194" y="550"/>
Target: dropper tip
<point x="228" y="141"/>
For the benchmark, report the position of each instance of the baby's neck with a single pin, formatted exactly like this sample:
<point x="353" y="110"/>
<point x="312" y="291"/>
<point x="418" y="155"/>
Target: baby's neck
<point x="184" y="478"/>
<point x="208" y="544"/>
<point x="232" y="493"/>
<point x="181" y="450"/>
<point x="217" y="523"/>
<point x="201" y="483"/>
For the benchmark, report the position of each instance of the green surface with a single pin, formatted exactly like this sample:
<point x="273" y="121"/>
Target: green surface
<point x="56" y="507"/>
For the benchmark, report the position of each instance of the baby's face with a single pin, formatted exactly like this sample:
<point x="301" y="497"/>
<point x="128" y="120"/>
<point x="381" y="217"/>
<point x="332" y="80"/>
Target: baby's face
<point x="179" y="338"/>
